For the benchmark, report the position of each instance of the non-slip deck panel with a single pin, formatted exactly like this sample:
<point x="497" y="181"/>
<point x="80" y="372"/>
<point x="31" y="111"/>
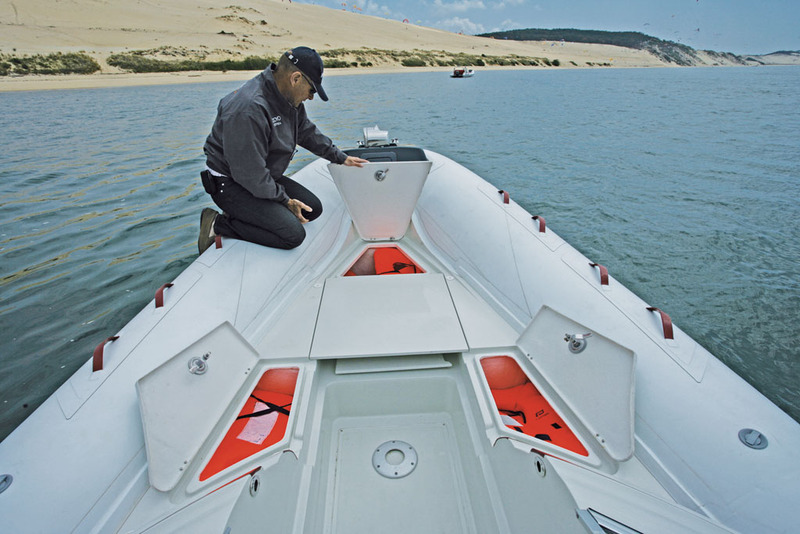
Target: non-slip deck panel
<point x="366" y="316"/>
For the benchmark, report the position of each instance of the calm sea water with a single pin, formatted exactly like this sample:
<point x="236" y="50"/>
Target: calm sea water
<point x="683" y="182"/>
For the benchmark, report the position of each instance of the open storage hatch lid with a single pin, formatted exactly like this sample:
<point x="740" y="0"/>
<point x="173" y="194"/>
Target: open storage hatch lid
<point x="182" y="400"/>
<point x="381" y="195"/>
<point x="597" y="382"/>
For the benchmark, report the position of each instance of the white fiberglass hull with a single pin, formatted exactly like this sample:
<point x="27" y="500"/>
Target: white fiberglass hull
<point x="161" y="439"/>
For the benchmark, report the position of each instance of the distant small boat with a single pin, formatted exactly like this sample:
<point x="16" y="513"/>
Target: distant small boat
<point x="462" y="72"/>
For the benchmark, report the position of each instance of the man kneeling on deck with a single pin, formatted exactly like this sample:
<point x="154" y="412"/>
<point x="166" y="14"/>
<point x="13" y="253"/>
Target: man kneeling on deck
<point x="250" y="146"/>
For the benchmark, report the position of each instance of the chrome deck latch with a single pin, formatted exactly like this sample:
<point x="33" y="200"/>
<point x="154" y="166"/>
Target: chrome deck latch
<point x="198" y="366"/>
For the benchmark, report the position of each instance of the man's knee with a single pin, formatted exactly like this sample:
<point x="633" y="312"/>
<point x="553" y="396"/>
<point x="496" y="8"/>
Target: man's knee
<point x="293" y="238"/>
<point x="316" y="209"/>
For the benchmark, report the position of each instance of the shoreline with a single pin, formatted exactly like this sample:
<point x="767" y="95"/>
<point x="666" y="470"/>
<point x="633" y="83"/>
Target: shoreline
<point x="55" y="82"/>
<point x="107" y="80"/>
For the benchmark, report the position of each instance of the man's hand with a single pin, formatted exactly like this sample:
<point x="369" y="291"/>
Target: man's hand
<point x="353" y="161"/>
<point x="297" y="207"/>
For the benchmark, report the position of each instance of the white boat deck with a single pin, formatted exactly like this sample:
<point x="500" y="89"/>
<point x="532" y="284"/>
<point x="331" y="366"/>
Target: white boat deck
<point x="388" y="410"/>
<point x="386" y="386"/>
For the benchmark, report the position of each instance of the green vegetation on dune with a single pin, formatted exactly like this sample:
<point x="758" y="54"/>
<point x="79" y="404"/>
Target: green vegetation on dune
<point x="139" y="62"/>
<point x="170" y="59"/>
<point x="667" y="51"/>
<point x="58" y="63"/>
<point x="368" y="57"/>
<point x="636" y="40"/>
<point x="336" y="58"/>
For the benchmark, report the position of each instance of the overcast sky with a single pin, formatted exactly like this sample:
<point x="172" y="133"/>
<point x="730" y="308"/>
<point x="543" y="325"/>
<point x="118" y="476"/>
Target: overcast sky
<point x="738" y="26"/>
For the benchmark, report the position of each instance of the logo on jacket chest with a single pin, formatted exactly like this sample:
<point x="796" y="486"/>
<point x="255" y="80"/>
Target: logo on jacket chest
<point x="276" y="120"/>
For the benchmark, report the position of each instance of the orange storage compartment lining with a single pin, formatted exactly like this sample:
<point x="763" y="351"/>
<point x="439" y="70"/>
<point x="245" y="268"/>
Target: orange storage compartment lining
<point x="391" y="260"/>
<point x="517" y="397"/>
<point x="384" y="260"/>
<point x="260" y="423"/>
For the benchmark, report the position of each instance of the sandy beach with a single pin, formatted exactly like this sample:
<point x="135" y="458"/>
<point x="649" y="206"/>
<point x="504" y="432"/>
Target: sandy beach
<point x="203" y="29"/>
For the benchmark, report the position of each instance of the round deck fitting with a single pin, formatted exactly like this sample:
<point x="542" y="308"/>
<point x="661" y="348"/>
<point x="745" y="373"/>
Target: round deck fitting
<point x="5" y="482"/>
<point x="753" y="438"/>
<point x="394" y="459"/>
<point x="255" y="485"/>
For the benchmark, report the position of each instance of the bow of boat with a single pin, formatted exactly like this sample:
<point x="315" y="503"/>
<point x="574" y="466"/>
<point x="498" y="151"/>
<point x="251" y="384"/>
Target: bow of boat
<point x="432" y="358"/>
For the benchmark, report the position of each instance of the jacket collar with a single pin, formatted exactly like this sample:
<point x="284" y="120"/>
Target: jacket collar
<point x="272" y="92"/>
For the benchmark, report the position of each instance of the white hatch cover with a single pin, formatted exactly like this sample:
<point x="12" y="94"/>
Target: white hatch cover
<point x="596" y="381"/>
<point x="403" y="314"/>
<point x="381" y="196"/>
<point x="184" y="398"/>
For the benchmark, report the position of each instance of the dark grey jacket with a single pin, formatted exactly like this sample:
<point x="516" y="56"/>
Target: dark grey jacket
<point x="255" y="134"/>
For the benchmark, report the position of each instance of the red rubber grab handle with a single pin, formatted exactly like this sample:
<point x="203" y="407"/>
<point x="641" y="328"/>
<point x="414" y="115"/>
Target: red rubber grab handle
<point x="666" y="322"/>
<point x="542" y="223"/>
<point x="603" y="273"/>
<point x="160" y="295"/>
<point x="506" y="196"/>
<point x="218" y="241"/>
<point x="97" y="356"/>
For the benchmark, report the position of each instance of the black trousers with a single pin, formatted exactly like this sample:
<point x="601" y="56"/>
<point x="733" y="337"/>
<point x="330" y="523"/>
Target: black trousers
<point x="262" y="221"/>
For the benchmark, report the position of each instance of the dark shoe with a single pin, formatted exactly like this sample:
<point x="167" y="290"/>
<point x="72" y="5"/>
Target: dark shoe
<point x="207" y="218"/>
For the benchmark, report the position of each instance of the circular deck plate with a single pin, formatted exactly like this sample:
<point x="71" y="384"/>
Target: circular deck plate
<point x="394" y="459"/>
<point x="753" y="438"/>
<point x="5" y="482"/>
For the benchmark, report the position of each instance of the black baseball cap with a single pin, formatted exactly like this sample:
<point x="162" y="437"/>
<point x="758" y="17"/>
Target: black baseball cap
<point x="310" y="63"/>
